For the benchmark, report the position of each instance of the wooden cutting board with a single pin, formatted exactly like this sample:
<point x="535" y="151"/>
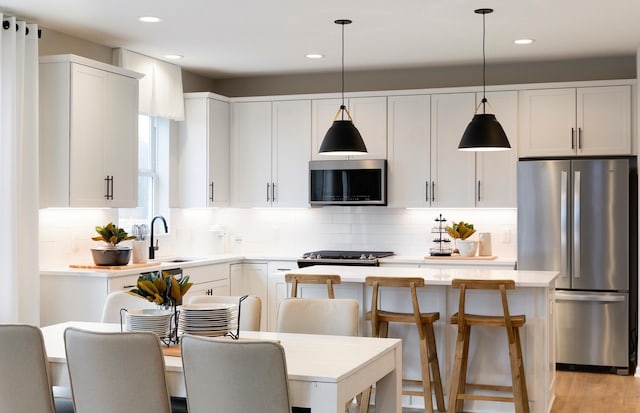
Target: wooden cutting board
<point x="460" y="257"/>
<point x="112" y="267"/>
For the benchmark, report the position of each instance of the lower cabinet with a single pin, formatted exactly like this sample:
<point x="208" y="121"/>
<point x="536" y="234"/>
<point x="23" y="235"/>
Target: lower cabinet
<point x="251" y="279"/>
<point x="208" y="279"/>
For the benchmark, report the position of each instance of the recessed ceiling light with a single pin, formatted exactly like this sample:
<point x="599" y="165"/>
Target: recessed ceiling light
<point x="524" y="41"/>
<point x="150" y="19"/>
<point x="314" y="56"/>
<point x="173" y="56"/>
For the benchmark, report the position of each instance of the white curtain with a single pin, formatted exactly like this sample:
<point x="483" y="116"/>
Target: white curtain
<point x="19" y="276"/>
<point x="161" y="87"/>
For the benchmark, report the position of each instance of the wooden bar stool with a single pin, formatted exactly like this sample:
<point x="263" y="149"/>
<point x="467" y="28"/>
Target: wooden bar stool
<point x="465" y="321"/>
<point x="328" y="279"/>
<point x="380" y="320"/>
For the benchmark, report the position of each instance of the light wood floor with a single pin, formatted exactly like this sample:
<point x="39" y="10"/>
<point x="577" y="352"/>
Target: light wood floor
<point x="590" y="393"/>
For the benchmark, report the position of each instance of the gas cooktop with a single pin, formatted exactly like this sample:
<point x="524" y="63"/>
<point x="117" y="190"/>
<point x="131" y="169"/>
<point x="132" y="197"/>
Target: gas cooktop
<point x="331" y="257"/>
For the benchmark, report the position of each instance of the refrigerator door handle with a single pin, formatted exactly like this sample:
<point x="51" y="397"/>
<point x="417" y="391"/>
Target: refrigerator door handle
<point x="590" y="297"/>
<point x="564" y="183"/>
<point x="576" y="224"/>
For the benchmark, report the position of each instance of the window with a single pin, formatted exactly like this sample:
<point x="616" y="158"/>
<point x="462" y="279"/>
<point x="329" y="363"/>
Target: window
<point x="153" y="194"/>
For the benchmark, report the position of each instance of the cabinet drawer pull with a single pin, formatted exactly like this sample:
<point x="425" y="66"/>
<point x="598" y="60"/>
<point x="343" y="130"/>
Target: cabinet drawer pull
<point x="478" y="190"/>
<point x="109" y="183"/>
<point x="268" y="191"/>
<point x="426" y="191"/>
<point x="211" y="197"/>
<point x="433" y="191"/>
<point x="579" y="138"/>
<point x="273" y="192"/>
<point x="573" y="138"/>
<point x="129" y="286"/>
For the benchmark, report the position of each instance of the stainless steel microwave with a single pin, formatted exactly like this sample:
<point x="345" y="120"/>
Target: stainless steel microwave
<point x="348" y="182"/>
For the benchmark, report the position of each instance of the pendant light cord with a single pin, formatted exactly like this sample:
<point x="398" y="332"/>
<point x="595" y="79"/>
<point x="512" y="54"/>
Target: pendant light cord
<point x="343" y="106"/>
<point x="484" y="68"/>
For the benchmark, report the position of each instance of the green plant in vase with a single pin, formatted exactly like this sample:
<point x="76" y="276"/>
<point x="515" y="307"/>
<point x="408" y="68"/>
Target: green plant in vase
<point x="112" y="254"/>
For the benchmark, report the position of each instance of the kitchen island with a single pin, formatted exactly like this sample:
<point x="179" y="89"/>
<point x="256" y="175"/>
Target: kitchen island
<point x="533" y="297"/>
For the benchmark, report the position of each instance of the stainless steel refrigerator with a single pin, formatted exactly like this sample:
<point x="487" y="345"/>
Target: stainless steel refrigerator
<point x="579" y="216"/>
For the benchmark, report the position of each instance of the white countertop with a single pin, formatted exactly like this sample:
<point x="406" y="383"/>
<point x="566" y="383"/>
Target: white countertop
<point x="434" y="276"/>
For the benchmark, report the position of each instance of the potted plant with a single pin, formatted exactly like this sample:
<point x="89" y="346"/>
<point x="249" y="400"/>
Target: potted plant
<point x="111" y="254"/>
<point x="460" y="232"/>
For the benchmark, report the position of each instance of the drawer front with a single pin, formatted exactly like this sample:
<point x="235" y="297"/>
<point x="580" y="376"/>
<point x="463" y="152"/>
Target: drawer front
<point x="122" y="283"/>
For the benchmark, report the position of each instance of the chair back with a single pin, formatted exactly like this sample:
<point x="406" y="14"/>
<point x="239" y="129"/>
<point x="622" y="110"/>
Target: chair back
<point x="24" y="384"/>
<point x="250" y="310"/>
<point x="395" y="282"/>
<point x="328" y="279"/>
<point x="118" y="300"/>
<point x="116" y="372"/>
<point x="235" y="376"/>
<point x="337" y="317"/>
<point x="501" y="285"/>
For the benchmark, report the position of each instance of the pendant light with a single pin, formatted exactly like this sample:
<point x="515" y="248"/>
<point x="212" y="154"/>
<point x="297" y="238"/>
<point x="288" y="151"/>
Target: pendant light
<point x="342" y="138"/>
<point x="484" y="132"/>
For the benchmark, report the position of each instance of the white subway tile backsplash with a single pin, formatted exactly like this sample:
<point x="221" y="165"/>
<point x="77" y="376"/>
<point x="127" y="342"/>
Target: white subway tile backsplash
<point x="65" y="234"/>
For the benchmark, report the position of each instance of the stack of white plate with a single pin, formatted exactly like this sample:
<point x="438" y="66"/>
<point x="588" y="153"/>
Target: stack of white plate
<point x="207" y="319"/>
<point x="149" y="319"/>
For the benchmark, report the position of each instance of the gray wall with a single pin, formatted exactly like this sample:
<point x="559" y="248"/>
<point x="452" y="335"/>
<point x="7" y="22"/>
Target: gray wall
<point x="618" y="67"/>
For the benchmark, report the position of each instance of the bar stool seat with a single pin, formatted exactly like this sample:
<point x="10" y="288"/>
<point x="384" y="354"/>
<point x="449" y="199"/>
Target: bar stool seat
<point x="380" y="320"/>
<point x="328" y="279"/>
<point x="512" y="324"/>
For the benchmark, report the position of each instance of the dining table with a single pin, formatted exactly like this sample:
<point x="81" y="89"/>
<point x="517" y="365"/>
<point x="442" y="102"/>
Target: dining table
<point x="325" y="372"/>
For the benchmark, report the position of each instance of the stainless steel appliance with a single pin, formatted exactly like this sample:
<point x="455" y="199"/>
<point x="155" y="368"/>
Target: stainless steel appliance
<point x="579" y="216"/>
<point x="327" y="257"/>
<point x="348" y="182"/>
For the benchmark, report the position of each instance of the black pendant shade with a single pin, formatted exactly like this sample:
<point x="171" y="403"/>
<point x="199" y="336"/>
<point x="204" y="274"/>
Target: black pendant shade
<point x="484" y="133"/>
<point x="343" y="137"/>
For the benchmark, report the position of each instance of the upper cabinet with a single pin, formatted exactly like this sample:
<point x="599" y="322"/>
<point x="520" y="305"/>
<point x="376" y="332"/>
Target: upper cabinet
<point x="496" y="174"/>
<point x="369" y="116"/>
<point x="576" y="121"/>
<point x="203" y="171"/>
<point x="452" y="171"/>
<point x="88" y="133"/>
<point x="270" y="151"/>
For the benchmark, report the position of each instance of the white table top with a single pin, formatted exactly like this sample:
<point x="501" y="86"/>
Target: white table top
<point x="309" y="357"/>
<point x="433" y="276"/>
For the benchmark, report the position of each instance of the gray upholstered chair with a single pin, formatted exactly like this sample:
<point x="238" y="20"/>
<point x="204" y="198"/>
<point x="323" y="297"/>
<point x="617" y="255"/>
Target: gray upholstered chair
<point x="331" y="316"/>
<point x="118" y="300"/>
<point x="235" y="376"/>
<point x="250" y="310"/>
<point x="24" y="383"/>
<point x="116" y="372"/>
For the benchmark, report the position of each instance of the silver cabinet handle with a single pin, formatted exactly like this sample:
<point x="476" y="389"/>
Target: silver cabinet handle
<point x="268" y="185"/>
<point x="273" y="192"/>
<point x="564" y="182"/>
<point x="211" y="197"/>
<point x="573" y="138"/>
<point x="478" y="190"/>
<point x="579" y="138"/>
<point x="426" y="191"/>
<point x="109" y="183"/>
<point x="433" y="191"/>
<point x="576" y="224"/>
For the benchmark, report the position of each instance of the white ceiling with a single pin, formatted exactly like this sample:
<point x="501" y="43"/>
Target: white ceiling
<point x="234" y="38"/>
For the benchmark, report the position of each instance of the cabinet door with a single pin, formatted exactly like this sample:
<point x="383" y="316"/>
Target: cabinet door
<point x="322" y="113"/>
<point x="291" y="152"/>
<point x="253" y="282"/>
<point x="121" y="140"/>
<point x="193" y="188"/>
<point x="496" y="171"/>
<point x="218" y="153"/>
<point x="547" y="122"/>
<point x="604" y="120"/>
<point x="409" y="151"/>
<point x="452" y="171"/>
<point x="370" y="117"/>
<point x="251" y="154"/>
<point x="89" y="103"/>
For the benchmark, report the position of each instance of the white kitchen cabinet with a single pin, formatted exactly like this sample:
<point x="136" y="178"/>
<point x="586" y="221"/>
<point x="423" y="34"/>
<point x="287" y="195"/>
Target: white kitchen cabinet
<point x="369" y="116"/>
<point x="575" y="121"/>
<point x="212" y="279"/>
<point x="270" y="151"/>
<point x="496" y="171"/>
<point x="251" y="279"/>
<point x="409" y="149"/>
<point x="203" y="171"/>
<point x="452" y="171"/>
<point x="89" y="133"/>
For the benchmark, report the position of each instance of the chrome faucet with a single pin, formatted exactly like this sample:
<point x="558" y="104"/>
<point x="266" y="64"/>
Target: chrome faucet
<point x="154" y="248"/>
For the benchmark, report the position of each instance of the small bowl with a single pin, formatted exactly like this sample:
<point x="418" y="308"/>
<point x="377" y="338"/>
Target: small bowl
<point x="467" y="248"/>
